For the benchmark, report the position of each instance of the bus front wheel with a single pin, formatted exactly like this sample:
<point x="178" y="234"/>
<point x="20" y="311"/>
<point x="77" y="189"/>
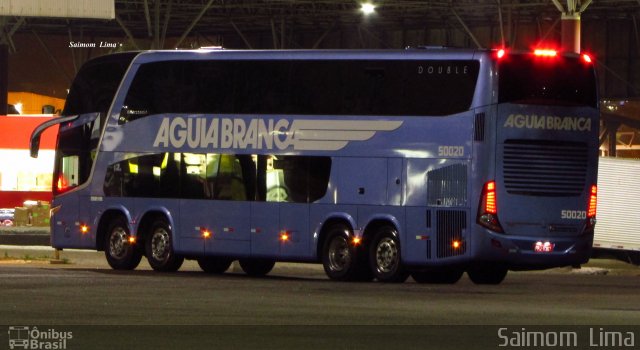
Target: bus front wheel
<point x="120" y="253"/>
<point x="385" y="256"/>
<point x="487" y="273"/>
<point x="159" y="248"/>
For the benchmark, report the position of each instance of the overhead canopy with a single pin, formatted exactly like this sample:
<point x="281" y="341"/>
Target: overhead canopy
<point x="624" y="111"/>
<point x="104" y="9"/>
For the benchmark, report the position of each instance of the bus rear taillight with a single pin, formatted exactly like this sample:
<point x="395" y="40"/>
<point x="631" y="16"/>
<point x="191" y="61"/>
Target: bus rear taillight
<point x="593" y="202"/>
<point x="586" y="58"/>
<point x="592" y="208"/>
<point x="488" y="209"/>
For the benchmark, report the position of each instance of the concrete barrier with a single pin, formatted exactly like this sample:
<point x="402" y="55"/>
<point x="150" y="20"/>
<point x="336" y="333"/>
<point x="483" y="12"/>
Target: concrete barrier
<point x="25" y="235"/>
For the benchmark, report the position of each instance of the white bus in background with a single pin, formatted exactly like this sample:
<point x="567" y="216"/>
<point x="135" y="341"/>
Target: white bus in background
<point x="618" y="230"/>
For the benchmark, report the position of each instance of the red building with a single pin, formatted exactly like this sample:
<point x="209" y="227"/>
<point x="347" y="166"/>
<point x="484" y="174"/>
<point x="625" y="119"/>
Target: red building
<point x="22" y="177"/>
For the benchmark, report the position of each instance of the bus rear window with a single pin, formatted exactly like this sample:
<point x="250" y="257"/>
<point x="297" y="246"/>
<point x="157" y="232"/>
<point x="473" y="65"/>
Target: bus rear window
<point x="527" y="79"/>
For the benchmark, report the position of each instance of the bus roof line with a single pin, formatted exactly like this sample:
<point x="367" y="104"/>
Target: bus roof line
<point x="162" y="55"/>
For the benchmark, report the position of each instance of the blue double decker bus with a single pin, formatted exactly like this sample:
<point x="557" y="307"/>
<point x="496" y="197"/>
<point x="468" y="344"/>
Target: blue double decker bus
<point x="377" y="164"/>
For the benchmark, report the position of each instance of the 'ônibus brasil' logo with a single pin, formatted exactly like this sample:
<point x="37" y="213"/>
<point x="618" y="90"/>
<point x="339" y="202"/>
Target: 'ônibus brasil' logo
<point x="544" y="122"/>
<point x="281" y="134"/>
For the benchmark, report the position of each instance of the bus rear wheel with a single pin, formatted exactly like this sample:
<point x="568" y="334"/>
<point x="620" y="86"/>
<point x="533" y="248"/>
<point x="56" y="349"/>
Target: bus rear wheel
<point x="214" y="265"/>
<point x="256" y="267"/>
<point x="439" y="275"/>
<point x="159" y="248"/>
<point x="487" y="273"/>
<point x="343" y="261"/>
<point x="385" y="256"/>
<point x="120" y="253"/>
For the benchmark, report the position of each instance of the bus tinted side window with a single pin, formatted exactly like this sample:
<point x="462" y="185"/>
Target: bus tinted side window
<point x="303" y="87"/>
<point x="298" y="179"/>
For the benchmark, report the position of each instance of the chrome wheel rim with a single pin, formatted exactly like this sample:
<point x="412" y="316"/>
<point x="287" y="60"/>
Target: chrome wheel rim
<point x="118" y="243"/>
<point x="386" y="255"/>
<point x="160" y="244"/>
<point x="339" y="254"/>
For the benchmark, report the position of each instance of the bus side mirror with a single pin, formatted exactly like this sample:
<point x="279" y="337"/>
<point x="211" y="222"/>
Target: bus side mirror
<point x="34" y="146"/>
<point x="34" y="140"/>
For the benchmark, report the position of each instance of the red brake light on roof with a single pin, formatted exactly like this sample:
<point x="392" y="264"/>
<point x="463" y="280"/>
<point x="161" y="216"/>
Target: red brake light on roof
<point x="545" y="53"/>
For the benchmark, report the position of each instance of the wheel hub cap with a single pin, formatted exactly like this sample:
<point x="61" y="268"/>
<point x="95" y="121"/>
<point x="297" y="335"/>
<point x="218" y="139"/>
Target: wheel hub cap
<point x="339" y="255"/>
<point x="386" y="254"/>
<point x="117" y="243"/>
<point x="160" y="244"/>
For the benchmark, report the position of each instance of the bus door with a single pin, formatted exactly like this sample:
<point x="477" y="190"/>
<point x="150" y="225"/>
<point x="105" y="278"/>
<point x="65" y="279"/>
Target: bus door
<point x="294" y="232"/>
<point x="291" y="181"/>
<point x="265" y="229"/>
<point x="226" y="210"/>
<point x="277" y="226"/>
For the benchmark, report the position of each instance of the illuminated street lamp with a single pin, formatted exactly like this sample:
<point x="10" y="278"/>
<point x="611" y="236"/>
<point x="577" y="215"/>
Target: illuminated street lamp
<point x="367" y="8"/>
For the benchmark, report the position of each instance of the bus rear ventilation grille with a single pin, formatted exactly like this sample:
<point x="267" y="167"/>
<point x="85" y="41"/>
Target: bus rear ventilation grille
<point x="545" y="168"/>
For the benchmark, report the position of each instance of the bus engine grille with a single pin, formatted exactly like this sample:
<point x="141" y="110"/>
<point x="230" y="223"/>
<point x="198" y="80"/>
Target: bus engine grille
<point x="545" y="168"/>
<point x="451" y="226"/>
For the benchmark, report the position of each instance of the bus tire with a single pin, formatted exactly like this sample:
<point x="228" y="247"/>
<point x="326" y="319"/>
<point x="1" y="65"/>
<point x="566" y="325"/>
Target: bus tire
<point x="214" y="265"/>
<point x="120" y="254"/>
<point x="439" y="275"/>
<point x="342" y="261"/>
<point x="487" y="273"/>
<point x="385" y="256"/>
<point x="256" y="267"/>
<point x="159" y="248"/>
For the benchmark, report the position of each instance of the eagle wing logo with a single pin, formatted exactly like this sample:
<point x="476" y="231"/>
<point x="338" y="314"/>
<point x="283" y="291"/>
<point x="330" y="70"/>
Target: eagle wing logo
<point x="333" y="135"/>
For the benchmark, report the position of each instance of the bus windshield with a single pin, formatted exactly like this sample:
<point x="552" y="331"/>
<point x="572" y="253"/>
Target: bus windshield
<point x="529" y="79"/>
<point x="90" y="97"/>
